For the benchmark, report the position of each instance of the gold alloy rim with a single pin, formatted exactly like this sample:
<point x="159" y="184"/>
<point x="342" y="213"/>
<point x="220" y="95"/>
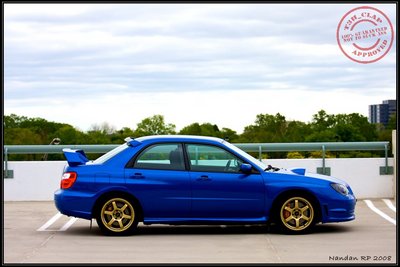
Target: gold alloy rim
<point x="117" y="214"/>
<point x="297" y="213"/>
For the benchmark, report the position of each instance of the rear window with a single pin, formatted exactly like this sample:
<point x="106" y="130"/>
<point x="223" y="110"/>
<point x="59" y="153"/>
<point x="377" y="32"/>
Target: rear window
<point x="162" y="157"/>
<point x="110" y="154"/>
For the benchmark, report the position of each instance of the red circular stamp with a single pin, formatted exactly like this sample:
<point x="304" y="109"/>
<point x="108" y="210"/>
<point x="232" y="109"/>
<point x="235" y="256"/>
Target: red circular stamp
<point x="365" y="34"/>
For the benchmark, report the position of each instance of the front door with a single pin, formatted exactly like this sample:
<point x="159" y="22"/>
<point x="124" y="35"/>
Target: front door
<point x="219" y="189"/>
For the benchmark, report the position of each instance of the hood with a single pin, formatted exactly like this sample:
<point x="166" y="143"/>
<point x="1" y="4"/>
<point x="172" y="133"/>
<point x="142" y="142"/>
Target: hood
<point x="304" y="173"/>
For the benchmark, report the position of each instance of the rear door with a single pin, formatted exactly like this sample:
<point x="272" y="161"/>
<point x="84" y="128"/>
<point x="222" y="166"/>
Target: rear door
<point x="160" y="182"/>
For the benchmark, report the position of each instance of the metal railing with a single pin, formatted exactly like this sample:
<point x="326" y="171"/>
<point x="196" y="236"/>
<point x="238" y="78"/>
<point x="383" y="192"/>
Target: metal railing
<point x="248" y="147"/>
<point x="324" y="147"/>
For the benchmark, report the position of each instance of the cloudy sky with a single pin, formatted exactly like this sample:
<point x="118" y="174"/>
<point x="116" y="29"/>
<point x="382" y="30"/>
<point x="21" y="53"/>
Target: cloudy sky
<point x="86" y="64"/>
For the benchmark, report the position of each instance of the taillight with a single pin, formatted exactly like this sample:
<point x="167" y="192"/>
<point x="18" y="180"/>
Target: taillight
<point x="68" y="179"/>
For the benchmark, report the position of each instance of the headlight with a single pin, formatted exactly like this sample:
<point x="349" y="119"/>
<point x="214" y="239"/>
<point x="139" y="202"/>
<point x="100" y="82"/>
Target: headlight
<point x="342" y="189"/>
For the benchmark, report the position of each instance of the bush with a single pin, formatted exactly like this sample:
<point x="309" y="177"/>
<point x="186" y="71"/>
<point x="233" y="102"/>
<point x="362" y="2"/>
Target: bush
<point x="294" y="155"/>
<point x="318" y="155"/>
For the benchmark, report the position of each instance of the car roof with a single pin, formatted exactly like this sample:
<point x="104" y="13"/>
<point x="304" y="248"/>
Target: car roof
<point x="178" y="138"/>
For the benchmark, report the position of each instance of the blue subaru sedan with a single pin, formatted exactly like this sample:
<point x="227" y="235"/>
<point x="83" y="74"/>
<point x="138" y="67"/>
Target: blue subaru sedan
<point x="195" y="180"/>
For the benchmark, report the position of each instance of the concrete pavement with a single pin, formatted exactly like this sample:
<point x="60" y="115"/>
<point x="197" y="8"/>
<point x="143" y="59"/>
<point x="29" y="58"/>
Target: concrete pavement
<point x="368" y="239"/>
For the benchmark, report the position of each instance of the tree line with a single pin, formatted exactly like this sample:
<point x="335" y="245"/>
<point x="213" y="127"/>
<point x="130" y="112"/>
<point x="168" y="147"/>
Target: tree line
<point x="22" y="130"/>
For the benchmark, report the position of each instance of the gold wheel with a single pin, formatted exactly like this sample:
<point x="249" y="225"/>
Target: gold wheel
<point x="297" y="214"/>
<point x="117" y="215"/>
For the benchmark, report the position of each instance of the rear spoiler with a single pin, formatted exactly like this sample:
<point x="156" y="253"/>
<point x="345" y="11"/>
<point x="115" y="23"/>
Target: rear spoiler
<point x="75" y="157"/>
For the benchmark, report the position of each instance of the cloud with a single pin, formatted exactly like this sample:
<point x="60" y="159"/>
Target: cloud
<point x="90" y="55"/>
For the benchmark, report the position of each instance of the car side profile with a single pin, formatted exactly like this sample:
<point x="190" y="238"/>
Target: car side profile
<point x="178" y="179"/>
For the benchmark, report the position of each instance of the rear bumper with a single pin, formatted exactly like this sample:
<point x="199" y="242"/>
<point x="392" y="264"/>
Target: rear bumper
<point x="72" y="204"/>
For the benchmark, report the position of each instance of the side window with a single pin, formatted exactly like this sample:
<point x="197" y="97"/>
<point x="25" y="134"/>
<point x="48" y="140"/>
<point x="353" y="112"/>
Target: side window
<point x="161" y="156"/>
<point x="212" y="159"/>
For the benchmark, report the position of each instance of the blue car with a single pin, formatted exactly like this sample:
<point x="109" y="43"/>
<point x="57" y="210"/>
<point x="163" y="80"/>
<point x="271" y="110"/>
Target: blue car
<point x="195" y="180"/>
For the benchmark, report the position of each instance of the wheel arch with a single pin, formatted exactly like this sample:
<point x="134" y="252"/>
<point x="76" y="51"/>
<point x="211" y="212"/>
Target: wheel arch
<point x="296" y="192"/>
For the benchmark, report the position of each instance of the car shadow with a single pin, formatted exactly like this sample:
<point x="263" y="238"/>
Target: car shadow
<point x="157" y="230"/>
<point x="332" y="228"/>
<point x="201" y="229"/>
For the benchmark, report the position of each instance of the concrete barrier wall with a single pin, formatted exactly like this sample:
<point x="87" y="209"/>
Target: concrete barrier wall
<point x="37" y="180"/>
<point x="362" y="174"/>
<point x="33" y="180"/>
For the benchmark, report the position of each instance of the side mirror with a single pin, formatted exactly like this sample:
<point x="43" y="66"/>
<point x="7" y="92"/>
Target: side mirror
<point x="246" y="168"/>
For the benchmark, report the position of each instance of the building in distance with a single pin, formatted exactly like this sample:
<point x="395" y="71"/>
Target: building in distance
<point x="380" y="113"/>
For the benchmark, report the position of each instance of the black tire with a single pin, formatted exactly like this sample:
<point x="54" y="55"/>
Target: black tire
<point x="117" y="215"/>
<point x="296" y="214"/>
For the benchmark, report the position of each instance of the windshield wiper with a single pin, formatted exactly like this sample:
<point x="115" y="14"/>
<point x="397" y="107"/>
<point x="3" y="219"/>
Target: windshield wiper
<point x="271" y="168"/>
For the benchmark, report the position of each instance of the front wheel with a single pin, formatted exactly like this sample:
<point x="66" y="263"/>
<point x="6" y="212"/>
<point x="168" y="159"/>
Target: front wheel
<point x="297" y="215"/>
<point x="117" y="216"/>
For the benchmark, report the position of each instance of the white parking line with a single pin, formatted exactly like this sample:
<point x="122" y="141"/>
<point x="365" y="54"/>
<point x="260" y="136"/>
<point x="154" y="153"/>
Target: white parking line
<point x="53" y="220"/>
<point x="379" y="212"/>
<point x="389" y="204"/>
<point x="68" y="224"/>
<point x="50" y="222"/>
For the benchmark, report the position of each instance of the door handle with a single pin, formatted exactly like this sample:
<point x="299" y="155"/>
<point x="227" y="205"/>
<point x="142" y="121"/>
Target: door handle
<point x="136" y="176"/>
<point x="203" y="178"/>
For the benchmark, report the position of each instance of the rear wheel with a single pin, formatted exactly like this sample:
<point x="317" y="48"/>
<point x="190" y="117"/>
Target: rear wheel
<point x="117" y="216"/>
<point x="297" y="214"/>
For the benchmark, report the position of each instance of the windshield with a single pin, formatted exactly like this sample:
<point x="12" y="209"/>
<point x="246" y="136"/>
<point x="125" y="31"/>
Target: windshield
<point x="110" y="154"/>
<point x="253" y="160"/>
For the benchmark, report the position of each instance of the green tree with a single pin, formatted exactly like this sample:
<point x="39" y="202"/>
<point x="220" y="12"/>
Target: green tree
<point x="266" y="129"/>
<point x="322" y="128"/>
<point x="43" y="130"/>
<point x="208" y="129"/>
<point x="392" y="124"/>
<point x="70" y="135"/>
<point x="354" y="127"/>
<point x="13" y="121"/>
<point x="97" y="137"/>
<point x="341" y="127"/>
<point x="119" y="136"/>
<point x="327" y="135"/>
<point x="297" y="132"/>
<point x="192" y="129"/>
<point x="21" y="136"/>
<point x="154" y="125"/>
<point x="385" y="132"/>
<point x="205" y="129"/>
<point x="229" y="135"/>
<point x="22" y="130"/>
<point x="322" y="121"/>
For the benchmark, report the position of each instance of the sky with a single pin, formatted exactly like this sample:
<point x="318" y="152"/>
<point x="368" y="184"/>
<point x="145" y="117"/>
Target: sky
<point x="86" y="64"/>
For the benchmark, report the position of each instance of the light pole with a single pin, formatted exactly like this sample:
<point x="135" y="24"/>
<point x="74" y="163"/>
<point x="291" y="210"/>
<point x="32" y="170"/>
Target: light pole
<point x="55" y="141"/>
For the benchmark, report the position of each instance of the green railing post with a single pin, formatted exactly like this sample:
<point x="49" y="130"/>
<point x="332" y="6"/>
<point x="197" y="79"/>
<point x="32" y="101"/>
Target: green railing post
<point x="6" y="162"/>
<point x="386" y="170"/>
<point x="260" y="152"/>
<point x="386" y="159"/>
<point x="7" y="173"/>
<point x="324" y="170"/>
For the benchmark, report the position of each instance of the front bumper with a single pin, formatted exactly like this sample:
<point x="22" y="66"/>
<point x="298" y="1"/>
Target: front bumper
<point x="339" y="210"/>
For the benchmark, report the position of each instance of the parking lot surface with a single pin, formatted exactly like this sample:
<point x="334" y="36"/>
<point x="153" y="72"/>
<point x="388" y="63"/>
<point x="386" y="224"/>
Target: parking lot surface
<point x="34" y="232"/>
